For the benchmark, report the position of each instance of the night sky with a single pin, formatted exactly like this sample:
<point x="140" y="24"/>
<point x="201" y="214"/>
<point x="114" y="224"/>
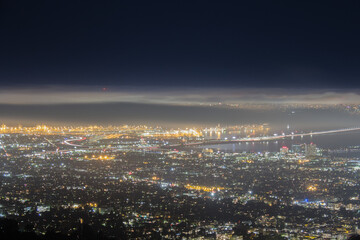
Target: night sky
<point x="282" y="44"/>
<point x="109" y="62"/>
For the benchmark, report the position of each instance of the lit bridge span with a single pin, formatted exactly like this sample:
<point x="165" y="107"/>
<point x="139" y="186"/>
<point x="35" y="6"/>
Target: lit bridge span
<point x="70" y="142"/>
<point x="267" y="138"/>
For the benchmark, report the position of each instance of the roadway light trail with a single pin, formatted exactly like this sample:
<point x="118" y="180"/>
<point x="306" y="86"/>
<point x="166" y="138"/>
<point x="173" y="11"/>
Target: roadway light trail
<point x="69" y="142"/>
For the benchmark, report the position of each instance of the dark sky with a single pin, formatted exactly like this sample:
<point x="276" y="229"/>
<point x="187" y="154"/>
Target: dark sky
<point x="310" y="44"/>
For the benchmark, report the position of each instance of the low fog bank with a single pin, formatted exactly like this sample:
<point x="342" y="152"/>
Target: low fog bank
<point x="173" y="116"/>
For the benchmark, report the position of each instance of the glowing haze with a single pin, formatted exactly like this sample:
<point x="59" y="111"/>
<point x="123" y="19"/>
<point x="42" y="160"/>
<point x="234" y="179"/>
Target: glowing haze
<point x="173" y="96"/>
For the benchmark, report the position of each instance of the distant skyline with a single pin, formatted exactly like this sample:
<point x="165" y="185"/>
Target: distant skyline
<point x="232" y="44"/>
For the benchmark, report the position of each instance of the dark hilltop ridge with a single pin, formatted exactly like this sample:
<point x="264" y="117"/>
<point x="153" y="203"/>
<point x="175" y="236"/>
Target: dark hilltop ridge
<point x="9" y="230"/>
